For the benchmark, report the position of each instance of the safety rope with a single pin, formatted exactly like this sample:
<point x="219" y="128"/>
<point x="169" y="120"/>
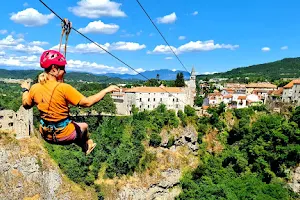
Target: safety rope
<point x="66" y="26"/>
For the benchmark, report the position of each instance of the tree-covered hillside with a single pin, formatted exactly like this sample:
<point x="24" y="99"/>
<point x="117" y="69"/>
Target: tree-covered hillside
<point x="285" y="68"/>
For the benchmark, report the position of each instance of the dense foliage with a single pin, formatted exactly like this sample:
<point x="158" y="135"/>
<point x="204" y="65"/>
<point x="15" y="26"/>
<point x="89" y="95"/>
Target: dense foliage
<point x="10" y="96"/>
<point x="258" y="152"/>
<point x="119" y="145"/>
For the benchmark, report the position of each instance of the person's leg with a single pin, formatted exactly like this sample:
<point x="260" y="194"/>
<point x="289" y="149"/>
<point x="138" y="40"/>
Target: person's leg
<point x="84" y="141"/>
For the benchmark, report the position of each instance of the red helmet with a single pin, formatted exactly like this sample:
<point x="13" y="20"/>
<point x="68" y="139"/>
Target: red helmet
<point x="52" y="57"/>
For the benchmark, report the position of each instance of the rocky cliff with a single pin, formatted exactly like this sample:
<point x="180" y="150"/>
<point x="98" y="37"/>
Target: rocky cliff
<point x="161" y="179"/>
<point x="27" y="172"/>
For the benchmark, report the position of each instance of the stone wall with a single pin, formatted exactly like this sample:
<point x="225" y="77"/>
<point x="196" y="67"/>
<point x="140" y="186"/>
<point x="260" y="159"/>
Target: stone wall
<point x="20" y="122"/>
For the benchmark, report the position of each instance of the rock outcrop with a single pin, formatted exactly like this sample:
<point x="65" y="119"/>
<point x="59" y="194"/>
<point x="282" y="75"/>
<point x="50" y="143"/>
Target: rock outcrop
<point x="295" y="184"/>
<point x="27" y="172"/>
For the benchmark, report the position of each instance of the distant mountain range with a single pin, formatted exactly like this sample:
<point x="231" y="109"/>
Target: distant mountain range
<point x="164" y="74"/>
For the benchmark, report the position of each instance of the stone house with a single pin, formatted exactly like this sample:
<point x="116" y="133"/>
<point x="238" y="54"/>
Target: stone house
<point x="20" y="122"/>
<point x="259" y="86"/>
<point x="148" y="98"/>
<point x="291" y="92"/>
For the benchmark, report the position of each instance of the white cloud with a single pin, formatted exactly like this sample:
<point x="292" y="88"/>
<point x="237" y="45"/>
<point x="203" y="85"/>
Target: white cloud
<point x="25" y="4"/>
<point x="127" y="46"/>
<point x="192" y="46"/>
<point x="32" y="62"/>
<point x="85" y="66"/>
<point x="140" y="70"/>
<point x="31" y="17"/>
<point x="195" y="13"/>
<point x="139" y="33"/>
<point x="20" y="61"/>
<point x="284" y="48"/>
<point x="97" y="8"/>
<point x="3" y="32"/>
<point x="100" y="27"/>
<point x="10" y="41"/>
<point x="174" y="70"/>
<point x="2" y="53"/>
<point x="168" y="58"/>
<point x="207" y="73"/>
<point x="92" y="48"/>
<point x="38" y="43"/>
<point x="168" y="19"/>
<point x="28" y="49"/>
<point x="265" y="49"/>
<point x="151" y="34"/>
<point x="181" y="37"/>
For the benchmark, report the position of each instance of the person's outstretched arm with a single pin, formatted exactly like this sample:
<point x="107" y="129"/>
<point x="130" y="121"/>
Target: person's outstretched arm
<point x="91" y="100"/>
<point x="26" y="99"/>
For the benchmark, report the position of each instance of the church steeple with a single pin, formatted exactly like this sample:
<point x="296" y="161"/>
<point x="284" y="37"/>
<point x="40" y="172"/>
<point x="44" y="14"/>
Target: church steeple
<point x="193" y="74"/>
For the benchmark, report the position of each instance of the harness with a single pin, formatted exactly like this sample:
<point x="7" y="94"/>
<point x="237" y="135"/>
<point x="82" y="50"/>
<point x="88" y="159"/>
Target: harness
<point x="54" y="128"/>
<point x="66" y="26"/>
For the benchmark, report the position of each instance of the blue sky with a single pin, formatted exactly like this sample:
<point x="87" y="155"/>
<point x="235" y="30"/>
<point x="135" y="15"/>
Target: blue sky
<point x="212" y="36"/>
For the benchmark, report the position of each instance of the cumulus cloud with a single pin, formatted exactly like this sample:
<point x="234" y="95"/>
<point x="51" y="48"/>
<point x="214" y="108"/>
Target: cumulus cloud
<point x="10" y="41"/>
<point x="97" y="8"/>
<point x="265" y="49"/>
<point x="25" y="4"/>
<point x="32" y="62"/>
<point x="20" y="61"/>
<point x="195" y="13"/>
<point x="168" y="19"/>
<point x="181" y="37"/>
<point x="140" y="70"/>
<point x="38" y="43"/>
<point x="28" y="49"/>
<point x="92" y="48"/>
<point x="284" y="48"/>
<point x="3" y="32"/>
<point x="168" y="58"/>
<point x="192" y="46"/>
<point x="31" y="17"/>
<point x="100" y="27"/>
<point x="93" y="67"/>
<point x="207" y="73"/>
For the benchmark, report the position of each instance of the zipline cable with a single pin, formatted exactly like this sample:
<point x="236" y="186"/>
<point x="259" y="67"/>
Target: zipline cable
<point x="161" y="35"/>
<point x="105" y="49"/>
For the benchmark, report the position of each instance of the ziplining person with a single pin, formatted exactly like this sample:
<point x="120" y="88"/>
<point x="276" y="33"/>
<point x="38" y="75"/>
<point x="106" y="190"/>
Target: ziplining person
<point x="52" y="97"/>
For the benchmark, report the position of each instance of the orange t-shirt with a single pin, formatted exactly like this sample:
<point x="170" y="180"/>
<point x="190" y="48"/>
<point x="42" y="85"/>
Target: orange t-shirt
<point x="55" y="108"/>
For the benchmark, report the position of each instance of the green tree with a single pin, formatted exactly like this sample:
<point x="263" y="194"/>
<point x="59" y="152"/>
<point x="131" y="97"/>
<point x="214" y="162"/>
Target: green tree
<point x="179" y="82"/>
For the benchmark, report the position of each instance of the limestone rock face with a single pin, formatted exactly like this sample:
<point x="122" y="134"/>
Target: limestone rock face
<point x="166" y="188"/>
<point x="27" y="172"/>
<point x="295" y="184"/>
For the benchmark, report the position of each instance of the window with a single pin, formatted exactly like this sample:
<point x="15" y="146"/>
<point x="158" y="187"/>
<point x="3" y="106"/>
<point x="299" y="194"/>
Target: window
<point x="10" y="117"/>
<point x="1" y="117"/>
<point x="148" y="99"/>
<point x="177" y="100"/>
<point x="148" y="106"/>
<point x="140" y="99"/>
<point x="153" y="99"/>
<point x="160" y="99"/>
<point x="173" y="100"/>
<point x="10" y="124"/>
